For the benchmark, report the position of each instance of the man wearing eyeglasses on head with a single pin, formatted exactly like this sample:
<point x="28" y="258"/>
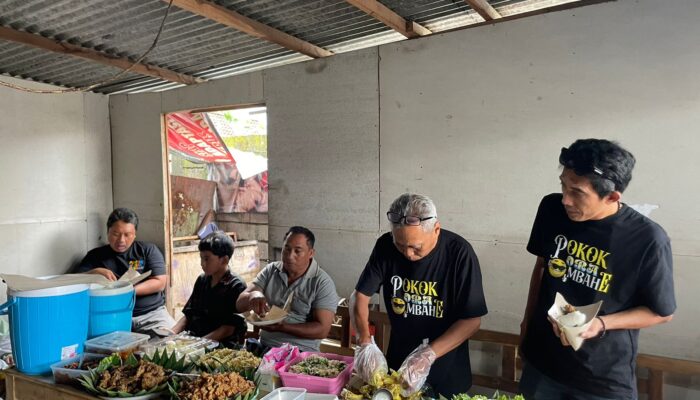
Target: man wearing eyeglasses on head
<point x="590" y="247"/>
<point x="431" y="284"/>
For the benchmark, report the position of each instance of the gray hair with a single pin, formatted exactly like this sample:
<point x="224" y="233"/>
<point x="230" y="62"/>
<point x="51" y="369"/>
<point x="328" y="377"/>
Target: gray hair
<point x="415" y="205"/>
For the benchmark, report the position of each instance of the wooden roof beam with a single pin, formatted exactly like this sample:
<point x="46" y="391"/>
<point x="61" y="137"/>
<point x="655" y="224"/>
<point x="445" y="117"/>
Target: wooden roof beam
<point x="484" y="9"/>
<point x="56" y="46"/>
<point x="252" y="27"/>
<point x="391" y="19"/>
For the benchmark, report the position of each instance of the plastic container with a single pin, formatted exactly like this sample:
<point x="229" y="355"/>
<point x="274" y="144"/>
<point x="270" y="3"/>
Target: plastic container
<point x="71" y="375"/>
<point x="318" y="396"/>
<point x="46" y="325"/>
<point x="116" y="342"/>
<point x="110" y="308"/>
<point x="286" y="393"/>
<point x="183" y="344"/>
<point x="316" y="384"/>
<point x="269" y="382"/>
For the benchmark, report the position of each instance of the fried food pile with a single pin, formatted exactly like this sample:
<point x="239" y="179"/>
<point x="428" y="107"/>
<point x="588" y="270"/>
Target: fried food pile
<point x="133" y="378"/>
<point x="230" y="360"/>
<point x="215" y="387"/>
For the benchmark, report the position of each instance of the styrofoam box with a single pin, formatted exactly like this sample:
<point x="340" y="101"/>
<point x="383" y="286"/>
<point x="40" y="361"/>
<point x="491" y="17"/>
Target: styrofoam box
<point x="316" y="384"/>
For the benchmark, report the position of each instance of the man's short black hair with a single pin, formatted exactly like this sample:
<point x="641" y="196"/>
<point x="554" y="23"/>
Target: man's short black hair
<point x="125" y="215"/>
<point x="219" y="243"/>
<point x="606" y="164"/>
<point x="310" y="238"/>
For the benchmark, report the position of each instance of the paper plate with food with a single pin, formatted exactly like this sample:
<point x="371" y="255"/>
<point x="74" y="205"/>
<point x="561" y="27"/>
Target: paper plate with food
<point x="573" y="320"/>
<point x="274" y="316"/>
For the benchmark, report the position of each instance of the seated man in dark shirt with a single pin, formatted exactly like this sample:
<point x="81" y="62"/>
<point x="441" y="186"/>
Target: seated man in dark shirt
<point x="211" y="310"/>
<point x="125" y="253"/>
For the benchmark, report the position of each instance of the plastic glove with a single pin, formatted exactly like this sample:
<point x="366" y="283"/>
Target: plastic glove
<point x="370" y="364"/>
<point x="415" y="369"/>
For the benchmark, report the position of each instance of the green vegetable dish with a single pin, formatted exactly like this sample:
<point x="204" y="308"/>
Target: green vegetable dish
<point x="496" y="396"/>
<point x="318" y="366"/>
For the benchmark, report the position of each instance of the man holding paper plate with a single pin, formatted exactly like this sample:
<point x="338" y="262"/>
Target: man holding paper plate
<point x="293" y="300"/>
<point x="592" y="248"/>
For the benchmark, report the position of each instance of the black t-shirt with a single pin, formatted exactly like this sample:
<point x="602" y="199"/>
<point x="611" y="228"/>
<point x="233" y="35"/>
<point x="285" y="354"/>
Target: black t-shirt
<point x="209" y="307"/>
<point x="141" y="256"/>
<point x="424" y="298"/>
<point x="624" y="260"/>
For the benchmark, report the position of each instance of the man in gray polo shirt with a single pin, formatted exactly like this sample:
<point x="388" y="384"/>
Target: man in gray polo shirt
<point x="315" y="299"/>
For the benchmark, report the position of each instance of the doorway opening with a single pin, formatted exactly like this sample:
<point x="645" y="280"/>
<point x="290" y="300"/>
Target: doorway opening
<point x="217" y="180"/>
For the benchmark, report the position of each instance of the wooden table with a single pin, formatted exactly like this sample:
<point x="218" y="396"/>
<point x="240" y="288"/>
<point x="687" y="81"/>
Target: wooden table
<point x="26" y="387"/>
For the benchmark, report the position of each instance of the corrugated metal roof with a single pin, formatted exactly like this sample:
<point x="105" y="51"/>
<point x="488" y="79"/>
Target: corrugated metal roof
<point x="198" y="46"/>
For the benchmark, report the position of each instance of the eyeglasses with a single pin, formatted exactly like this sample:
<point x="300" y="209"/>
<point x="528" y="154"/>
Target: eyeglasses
<point x="395" y="218"/>
<point x="580" y="165"/>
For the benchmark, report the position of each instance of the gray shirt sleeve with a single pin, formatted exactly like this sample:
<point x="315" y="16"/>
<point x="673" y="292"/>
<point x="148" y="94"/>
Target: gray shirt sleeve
<point x="326" y="295"/>
<point x="264" y="276"/>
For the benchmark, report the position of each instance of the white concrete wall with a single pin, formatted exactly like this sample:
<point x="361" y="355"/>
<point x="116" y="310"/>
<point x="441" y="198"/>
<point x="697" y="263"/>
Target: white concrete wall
<point x="489" y="122"/>
<point x="56" y="180"/>
<point x="323" y="122"/>
<point x="474" y="118"/>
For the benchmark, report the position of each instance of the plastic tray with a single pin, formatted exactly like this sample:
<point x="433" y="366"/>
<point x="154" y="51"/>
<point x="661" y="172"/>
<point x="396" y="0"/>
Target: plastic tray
<point x="116" y="342"/>
<point x="286" y="393"/>
<point x="318" y="396"/>
<point x="195" y="348"/>
<point x="316" y="384"/>
<point x="70" y="375"/>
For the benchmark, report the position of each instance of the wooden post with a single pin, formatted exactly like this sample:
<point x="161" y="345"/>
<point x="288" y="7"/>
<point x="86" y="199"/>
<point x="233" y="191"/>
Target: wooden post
<point x="655" y="384"/>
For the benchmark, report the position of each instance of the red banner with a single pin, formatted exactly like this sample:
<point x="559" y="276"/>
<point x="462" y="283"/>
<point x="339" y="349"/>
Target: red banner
<point x="190" y="134"/>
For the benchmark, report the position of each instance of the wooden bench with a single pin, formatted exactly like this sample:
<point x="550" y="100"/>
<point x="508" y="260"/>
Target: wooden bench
<point x="655" y="366"/>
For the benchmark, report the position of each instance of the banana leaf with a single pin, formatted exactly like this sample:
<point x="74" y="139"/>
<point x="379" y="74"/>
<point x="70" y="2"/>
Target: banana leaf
<point x="169" y="361"/>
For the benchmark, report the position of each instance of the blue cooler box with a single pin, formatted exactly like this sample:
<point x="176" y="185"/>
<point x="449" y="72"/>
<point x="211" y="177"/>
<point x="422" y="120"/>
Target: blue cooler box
<point x="111" y="308"/>
<point x="47" y="325"/>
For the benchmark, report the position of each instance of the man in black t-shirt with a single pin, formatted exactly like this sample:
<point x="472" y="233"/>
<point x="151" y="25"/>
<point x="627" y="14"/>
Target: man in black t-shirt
<point x="590" y="247"/>
<point x="125" y="253"/>
<point x="431" y="284"/>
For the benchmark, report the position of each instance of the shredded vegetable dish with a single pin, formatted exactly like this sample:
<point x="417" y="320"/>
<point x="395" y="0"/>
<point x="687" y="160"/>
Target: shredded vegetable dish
<point x="318" y="366"/>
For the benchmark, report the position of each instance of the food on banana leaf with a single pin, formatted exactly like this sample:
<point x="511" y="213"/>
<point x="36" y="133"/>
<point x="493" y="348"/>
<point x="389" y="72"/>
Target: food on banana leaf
<point x="390" y="381"/>
<point x="318" y="366"/>
<point x="222" y="386"/>
<point x="131" y="377"/>
<point x="228" y="360"/>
